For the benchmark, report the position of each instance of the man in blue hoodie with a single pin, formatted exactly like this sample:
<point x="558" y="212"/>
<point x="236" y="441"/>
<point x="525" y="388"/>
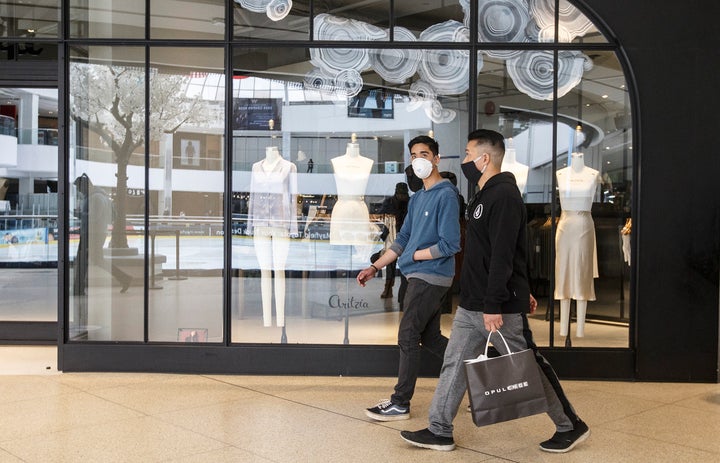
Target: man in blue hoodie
<point x="494" y="294"/>
<point x="425" y="248"/>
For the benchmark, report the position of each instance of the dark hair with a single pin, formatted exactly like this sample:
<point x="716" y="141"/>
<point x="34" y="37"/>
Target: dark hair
<point x="488" y="137"/>
<point x="432" y="144"/>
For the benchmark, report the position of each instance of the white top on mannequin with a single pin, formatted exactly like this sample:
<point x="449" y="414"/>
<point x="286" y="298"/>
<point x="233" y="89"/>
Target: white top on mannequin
<point x="520" y="171"/>
<point x="272" y="157"/>
<point x="352" y="171"/>
<point x="578" y="184"/>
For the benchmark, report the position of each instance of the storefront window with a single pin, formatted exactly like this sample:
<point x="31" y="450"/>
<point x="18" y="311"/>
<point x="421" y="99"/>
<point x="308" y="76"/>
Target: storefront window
<point x="107" y="19"/>
<point x="303" y="223"/>
<point x="315" y="161"/>
<point x="28" y="20"/>
<point x="586" y="288"/>
<point x="184" y="19"/>
<point x="106" y="176"/>
<point x="186" y="208"/>
<point x="271" y="19"/>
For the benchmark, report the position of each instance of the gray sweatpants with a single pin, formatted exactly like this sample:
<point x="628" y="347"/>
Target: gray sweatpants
<point x="467" y="340"/>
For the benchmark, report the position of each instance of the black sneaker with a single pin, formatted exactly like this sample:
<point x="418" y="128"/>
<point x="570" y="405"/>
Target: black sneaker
<point x="562" y="442"/>
<point x="427" y="440"/>
<point x="388" y="411"/>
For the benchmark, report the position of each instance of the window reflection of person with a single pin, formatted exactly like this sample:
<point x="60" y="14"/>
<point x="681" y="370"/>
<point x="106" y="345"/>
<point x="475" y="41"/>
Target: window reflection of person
<point x="350" y="219"/>
<point x="190" y="153"/>
<point x="95" y="214"/>
<point x="272" y="219"/>
<point x="576" y="252"/>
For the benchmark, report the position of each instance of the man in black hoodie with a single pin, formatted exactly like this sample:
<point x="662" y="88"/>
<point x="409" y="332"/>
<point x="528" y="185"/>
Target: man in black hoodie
<point x="494" y="294"/>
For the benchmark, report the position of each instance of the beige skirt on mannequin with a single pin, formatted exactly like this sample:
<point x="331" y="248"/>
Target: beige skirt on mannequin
<point x="575" y="256"/>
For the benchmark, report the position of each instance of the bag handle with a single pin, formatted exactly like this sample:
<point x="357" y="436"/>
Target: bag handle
<point x="487" y="343"/>
<point x="484" y="356"/>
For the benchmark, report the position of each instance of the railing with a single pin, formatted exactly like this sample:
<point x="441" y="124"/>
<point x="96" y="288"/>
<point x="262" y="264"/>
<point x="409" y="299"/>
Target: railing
<point x="7" y="126"/>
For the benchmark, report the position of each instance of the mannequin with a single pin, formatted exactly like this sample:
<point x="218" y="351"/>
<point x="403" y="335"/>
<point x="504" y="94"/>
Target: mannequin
<point x="272" y="219"/>
<point x="625" y="240"/>
<point x="510" y="164"/>
<point x="350" y="219"/>
<point x="576" y="252"/>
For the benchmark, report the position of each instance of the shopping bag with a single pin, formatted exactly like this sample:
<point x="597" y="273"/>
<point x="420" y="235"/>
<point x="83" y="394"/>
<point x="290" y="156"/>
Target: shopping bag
<point x="504" y="388"/>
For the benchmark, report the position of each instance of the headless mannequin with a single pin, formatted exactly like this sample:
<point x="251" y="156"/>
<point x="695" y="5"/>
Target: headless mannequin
<point x="520" y="171"/>
<point x="578" y="185"/>
<point x="273" y="219"/>
<point x="350" y="220"/>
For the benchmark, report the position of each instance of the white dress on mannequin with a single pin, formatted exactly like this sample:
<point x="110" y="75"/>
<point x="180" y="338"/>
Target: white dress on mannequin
<point x="350" y="219"/>
<point x="272" y="219"/>
<point x="576" y="251"/>
<point x="520" y="171"/>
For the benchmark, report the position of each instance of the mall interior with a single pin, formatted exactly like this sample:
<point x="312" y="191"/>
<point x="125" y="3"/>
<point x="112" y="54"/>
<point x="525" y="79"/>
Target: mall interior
<point x="188" y="190"/>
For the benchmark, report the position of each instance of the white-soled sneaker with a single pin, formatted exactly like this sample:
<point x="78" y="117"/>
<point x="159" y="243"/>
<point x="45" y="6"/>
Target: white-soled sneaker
<point x="388" y="411"/>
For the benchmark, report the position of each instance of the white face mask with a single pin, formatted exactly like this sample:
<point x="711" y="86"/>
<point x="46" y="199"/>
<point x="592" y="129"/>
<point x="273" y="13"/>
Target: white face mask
<point x="422" y="167"/>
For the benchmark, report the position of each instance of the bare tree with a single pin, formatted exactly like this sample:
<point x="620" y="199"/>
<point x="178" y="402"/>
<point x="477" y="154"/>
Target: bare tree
<point x="111" y="101"/>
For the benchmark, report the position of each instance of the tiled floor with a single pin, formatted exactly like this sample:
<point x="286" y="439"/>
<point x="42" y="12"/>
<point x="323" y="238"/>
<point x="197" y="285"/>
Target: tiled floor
<point x="88" y="417"/>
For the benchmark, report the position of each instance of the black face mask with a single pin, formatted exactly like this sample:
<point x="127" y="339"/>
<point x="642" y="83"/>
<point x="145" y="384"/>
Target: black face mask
<point x="470" y="172"/>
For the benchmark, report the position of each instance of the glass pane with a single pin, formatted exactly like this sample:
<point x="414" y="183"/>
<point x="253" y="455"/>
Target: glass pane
<point x="39" y="18"/>
<point x="107" y="19"/>
<point x="271" y="19"/>
<point x="185" y="19"/>
<point x="106" y="172"/>
<point x="601" y="159"/>
<point x="576" y="27"/>
<point x="28" y="204"/>
<point x="303" y="226"/>
<point x="187" y="95"/>
<point x="516" y="99"/>
<point x="28" y="51"/>
<point x="416" y="16"/>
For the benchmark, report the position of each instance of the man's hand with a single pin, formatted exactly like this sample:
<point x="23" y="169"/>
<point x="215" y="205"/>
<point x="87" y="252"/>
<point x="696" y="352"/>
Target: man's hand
<point x="493" y="322"/>
<point x="533" y="304"/>
<point x="366" y="275"/>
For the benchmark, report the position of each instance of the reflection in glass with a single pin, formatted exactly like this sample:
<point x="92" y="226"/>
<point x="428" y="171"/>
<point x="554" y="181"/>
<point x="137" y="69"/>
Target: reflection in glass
<point x="107" y="160"/>
<point x="186" y="194"/>
<point x="271" y="19"/>
<point x="38" y="18"/>
<point x="592" y="231"/>
<point x="181" y="19"/>
<point x="124" y="19"/>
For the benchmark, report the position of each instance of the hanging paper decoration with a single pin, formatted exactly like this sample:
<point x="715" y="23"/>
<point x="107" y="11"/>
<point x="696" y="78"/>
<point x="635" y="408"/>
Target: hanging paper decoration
<point x="328" y="27"/>
<point x="573" y="23"/>
<point x="503" y="21"/>
<point x="278" y="9"/>
<point x="319" y="81"/>
<point x="532" y="72"/>
<point x="446" y="70"/>
<point x="420" y="93"/>
<point x="396" y="65"/>
<point x="348" y="83"/>
<point x="274" y="9"/>
<point x="438" y="114"/>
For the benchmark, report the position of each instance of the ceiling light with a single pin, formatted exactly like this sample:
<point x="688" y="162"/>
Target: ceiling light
<point x="604" y="96"/>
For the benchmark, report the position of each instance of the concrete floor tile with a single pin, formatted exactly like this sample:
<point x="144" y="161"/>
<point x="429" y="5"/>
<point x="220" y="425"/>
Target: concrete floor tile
<point x="223" y="455"/>
<point x="6" y="457"/>
<point x="673" y="424"/>
<point x="18" y="388"/>
<point x="172" y="393"/>
<point x="143" y="439"/>
<point x="609" y="446"/>
<point x="91" y="381"/>
<point x="55" y="413"/>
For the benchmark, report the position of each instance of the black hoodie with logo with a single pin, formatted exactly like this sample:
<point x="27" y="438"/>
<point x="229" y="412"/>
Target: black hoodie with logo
<point x="494" y="273"/>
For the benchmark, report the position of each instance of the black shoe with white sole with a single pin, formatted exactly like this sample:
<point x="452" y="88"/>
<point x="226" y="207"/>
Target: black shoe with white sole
<point x="428" y="440"/>
<point x="562" y="442"/>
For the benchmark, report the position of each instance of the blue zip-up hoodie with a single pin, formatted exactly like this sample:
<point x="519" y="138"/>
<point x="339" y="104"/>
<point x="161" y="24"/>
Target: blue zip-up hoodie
<point x="432" y="221"/>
